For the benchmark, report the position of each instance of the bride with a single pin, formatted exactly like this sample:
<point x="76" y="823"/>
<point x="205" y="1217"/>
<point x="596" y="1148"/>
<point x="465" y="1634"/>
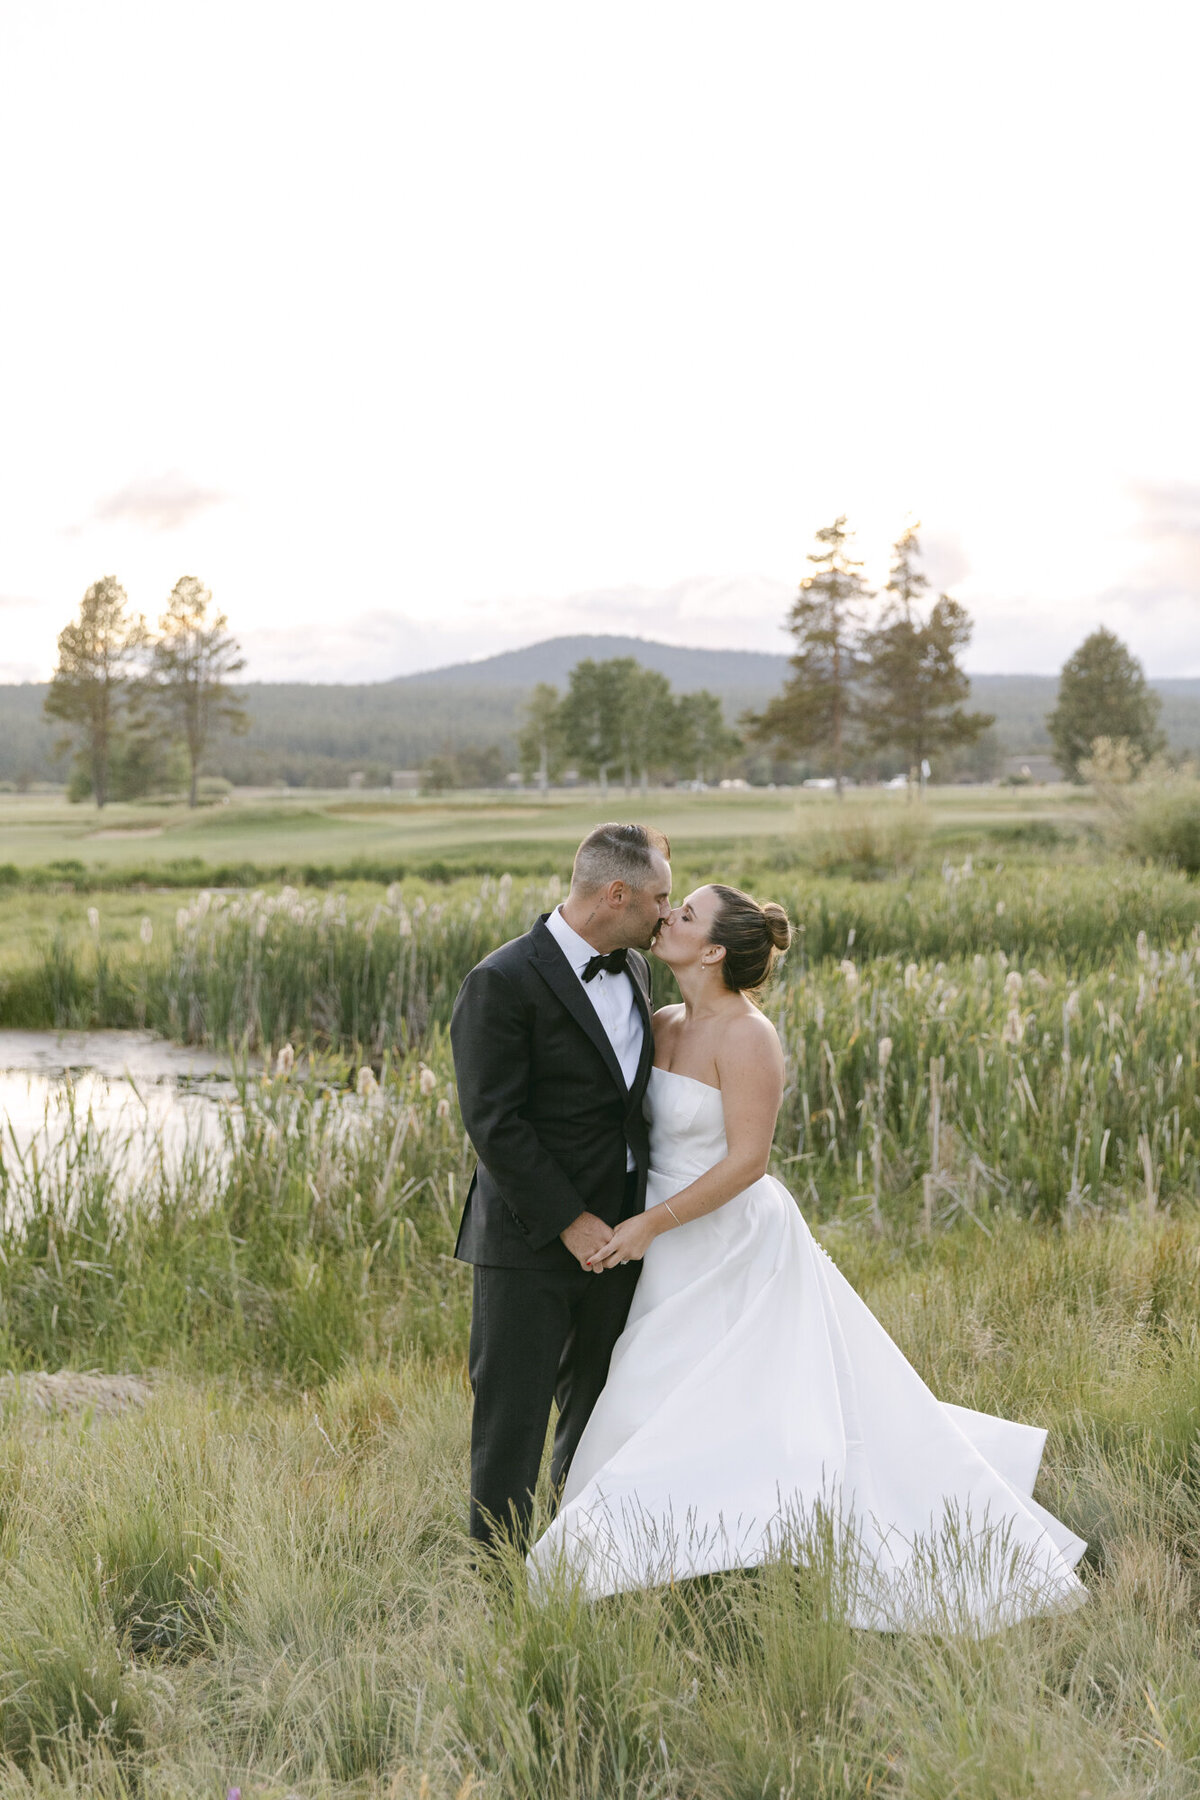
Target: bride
<point x="753" y="1400"/>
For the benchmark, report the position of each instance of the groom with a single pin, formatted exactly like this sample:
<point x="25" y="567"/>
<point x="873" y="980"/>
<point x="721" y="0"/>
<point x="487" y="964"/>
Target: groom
<point x="552" y="1053"/>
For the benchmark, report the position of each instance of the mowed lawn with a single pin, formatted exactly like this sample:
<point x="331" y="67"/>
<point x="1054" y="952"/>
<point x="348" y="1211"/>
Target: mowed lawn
<point x="336" y="828"/>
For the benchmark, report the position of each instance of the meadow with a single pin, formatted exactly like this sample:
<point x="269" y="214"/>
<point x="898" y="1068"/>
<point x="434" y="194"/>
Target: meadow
<point x="259" y="1579"/>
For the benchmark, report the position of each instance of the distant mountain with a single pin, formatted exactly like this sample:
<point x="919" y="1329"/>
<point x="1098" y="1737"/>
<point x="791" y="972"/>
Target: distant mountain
<point x="553" y="659"/>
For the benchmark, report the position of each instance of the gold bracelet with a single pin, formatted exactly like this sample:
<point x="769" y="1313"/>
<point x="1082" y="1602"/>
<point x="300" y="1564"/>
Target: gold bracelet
<point x="672" y="1212"/>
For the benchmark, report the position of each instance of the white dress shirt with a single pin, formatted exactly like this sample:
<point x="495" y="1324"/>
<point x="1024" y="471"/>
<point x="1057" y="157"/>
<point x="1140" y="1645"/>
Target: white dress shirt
<point x="612" y="999"/>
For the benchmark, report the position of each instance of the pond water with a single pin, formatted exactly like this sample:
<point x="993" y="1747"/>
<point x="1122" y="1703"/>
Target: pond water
<point x="149" y="1102"/>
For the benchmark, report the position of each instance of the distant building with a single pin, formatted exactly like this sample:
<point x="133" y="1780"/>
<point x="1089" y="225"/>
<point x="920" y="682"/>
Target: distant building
<point x="1038" y="770"/>
<point x="406" y="781"/>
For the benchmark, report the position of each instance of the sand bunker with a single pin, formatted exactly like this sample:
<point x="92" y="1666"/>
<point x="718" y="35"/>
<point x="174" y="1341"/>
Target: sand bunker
<point x="128" y="831"/>
<point x="70" y="1392"/>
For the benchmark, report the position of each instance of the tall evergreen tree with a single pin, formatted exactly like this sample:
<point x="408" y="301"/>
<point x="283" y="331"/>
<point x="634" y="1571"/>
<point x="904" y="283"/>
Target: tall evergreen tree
<point x="92" y="683"/>
<point x="914" y="682"/>
<point x="827" y="620"/>
<point x="1103" y="692"/>
<point x="192" y="659"/>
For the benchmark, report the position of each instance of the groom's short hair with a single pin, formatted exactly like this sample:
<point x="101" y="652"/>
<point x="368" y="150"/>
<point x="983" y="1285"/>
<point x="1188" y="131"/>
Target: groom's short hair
<point x="618" y="853"/>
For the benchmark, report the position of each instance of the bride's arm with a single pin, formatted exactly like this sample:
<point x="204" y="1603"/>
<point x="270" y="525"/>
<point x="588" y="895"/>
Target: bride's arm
<point x="750" y="1068"/>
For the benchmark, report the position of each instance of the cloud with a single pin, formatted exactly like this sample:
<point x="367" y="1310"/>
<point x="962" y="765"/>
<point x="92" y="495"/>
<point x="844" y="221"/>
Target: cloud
<point x="370" y="646"/>
<point x="158" y="502"/>
<point x="1155" y="604"/>
<point x="944" y="560"/>
<point x="1170" y="524"/>
<point x="706" y="612"/>
<point x="744" y="612"/>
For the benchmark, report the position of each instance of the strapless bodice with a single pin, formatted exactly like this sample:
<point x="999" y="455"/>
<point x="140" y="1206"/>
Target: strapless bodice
<point x="687" y="1124"/>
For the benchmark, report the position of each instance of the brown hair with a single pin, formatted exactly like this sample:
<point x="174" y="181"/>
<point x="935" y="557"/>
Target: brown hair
<point x="752" y="936"/>
<point x="617" y="853"/>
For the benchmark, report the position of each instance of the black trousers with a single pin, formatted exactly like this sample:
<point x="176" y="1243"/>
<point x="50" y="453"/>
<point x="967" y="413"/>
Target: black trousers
<point x="537" y="1336"/>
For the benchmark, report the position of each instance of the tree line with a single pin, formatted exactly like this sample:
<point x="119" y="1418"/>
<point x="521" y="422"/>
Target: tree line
<point x="893" y="680"/>
<point x="132" y="698"/>
<point x="620" y="719"/>
<point x="868" y="680"/>
<point x="884" y="681"/>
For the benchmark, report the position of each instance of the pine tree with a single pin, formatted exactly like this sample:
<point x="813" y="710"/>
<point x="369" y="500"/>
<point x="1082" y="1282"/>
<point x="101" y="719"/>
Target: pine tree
<point x="914" y="681"/>
<point x="827" y="620"/>
<point x="192" y="659"/>
<point x="1103" y="692"/>
<point x="92" y="684"/>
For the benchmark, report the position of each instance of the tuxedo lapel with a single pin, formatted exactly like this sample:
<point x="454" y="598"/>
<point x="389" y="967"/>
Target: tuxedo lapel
<point x="561" y="978"/>
<point x="647" y="1056"/>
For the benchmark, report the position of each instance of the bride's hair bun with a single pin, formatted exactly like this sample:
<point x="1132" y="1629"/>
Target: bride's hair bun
<point x="778" y="924"/>
<point x="752" y="936"/>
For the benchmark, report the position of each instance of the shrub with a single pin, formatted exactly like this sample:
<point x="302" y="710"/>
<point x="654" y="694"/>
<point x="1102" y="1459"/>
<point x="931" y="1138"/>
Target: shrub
<point x="1165" y="826"/>
<point x="1150" y="810"/>
<point x="868" y="844"/>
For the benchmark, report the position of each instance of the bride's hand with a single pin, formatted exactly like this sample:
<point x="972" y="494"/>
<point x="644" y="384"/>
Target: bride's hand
<point x="629" y="1243"/>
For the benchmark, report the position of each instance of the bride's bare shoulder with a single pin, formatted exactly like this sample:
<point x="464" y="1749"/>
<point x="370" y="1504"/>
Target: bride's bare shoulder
<point x="667" y="1015"/>
<point x="750" y="1037"/>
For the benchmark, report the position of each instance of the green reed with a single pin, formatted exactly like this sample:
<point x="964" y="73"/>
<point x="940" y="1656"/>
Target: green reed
<point x="271" y="1589"/>
<point x="319" y="1229"/>
<point x="993" y="1086"/>
<point x="365" y="975"/>
<point x="262" y="1581"/>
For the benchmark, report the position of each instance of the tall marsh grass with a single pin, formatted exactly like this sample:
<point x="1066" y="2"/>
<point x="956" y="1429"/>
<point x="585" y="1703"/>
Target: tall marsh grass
<point x="262" y="1580"/>
<point x="271" y="1589"/>
<point x="365" y="976"/>
<point x="320" y="1229"/>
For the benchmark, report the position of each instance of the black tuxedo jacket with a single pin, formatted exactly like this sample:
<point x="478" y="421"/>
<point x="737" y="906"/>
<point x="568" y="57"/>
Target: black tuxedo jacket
<point x="545" y="1104"/>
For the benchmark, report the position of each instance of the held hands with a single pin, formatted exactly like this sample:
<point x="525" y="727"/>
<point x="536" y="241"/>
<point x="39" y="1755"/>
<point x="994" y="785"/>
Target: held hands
<point x="628" y="1243"/>
<point x="585" y="1237"/>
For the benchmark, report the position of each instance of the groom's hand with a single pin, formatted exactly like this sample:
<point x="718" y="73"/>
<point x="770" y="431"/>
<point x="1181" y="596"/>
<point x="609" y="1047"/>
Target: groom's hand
<point x="586" y="1236"/>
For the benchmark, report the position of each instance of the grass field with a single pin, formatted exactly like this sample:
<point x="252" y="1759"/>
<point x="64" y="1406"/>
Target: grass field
<point x="261" y="1579"/>
<point x="483" y="832"/>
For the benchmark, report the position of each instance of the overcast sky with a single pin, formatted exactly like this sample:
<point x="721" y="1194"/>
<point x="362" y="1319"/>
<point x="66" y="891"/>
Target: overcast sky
<point x="422" y="330"/>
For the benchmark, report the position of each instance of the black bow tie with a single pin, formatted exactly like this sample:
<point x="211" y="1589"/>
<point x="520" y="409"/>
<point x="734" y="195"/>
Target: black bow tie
<point x="613" y="963"/>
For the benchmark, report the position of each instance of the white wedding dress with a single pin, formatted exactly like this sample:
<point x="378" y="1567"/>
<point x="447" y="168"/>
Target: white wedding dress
<point x="754" y="1406"/>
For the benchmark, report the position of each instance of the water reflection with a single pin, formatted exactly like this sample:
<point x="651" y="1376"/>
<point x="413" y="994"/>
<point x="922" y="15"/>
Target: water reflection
<point x="147" y="1105"/>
